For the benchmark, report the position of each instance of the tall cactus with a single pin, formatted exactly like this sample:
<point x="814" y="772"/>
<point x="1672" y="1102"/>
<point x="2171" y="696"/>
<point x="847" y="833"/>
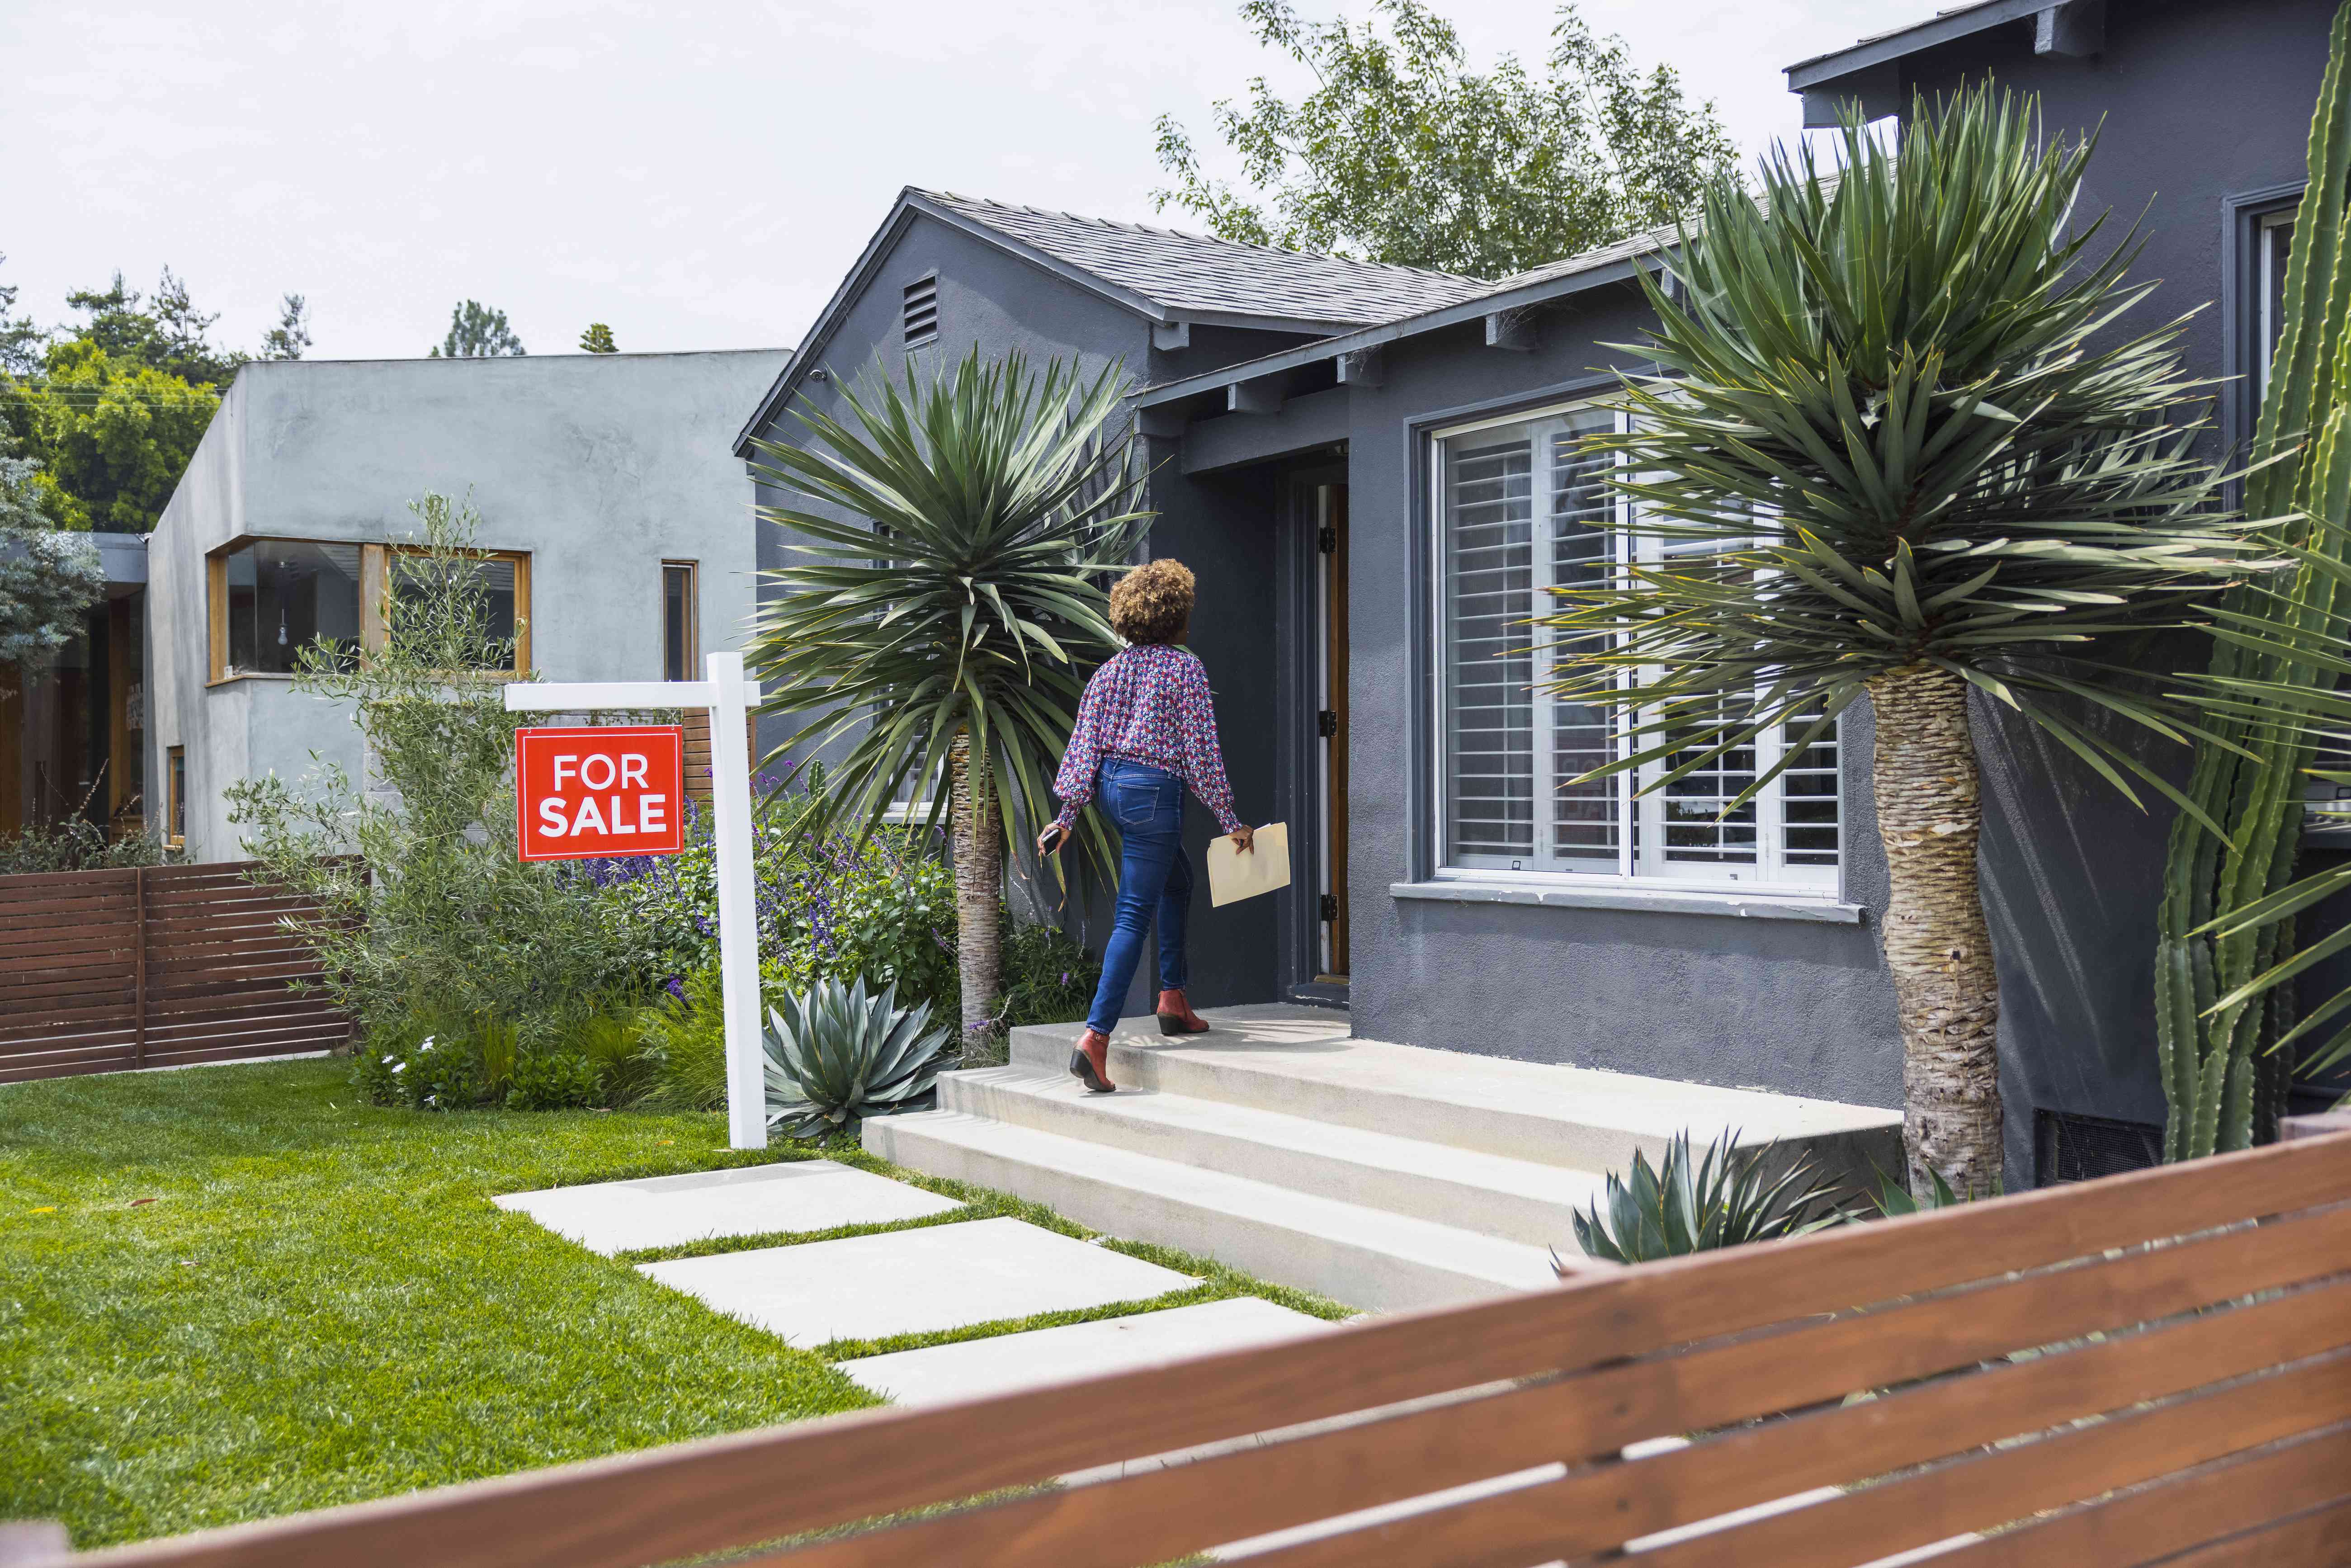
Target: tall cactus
<point x="2226" y="953"/>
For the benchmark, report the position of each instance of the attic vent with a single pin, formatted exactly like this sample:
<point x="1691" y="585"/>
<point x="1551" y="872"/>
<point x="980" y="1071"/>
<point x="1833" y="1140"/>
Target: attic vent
<point x="922" y="311"/>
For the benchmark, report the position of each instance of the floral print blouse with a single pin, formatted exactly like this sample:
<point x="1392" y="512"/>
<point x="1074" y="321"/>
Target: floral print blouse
<point x="1149" y="703"/>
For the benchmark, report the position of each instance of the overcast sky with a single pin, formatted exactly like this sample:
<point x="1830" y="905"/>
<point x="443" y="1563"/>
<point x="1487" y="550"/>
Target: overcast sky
<point x="698" y="176"/>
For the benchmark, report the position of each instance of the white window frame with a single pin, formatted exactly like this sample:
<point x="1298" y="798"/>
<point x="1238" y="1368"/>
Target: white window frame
<point x="1642" y="858"/>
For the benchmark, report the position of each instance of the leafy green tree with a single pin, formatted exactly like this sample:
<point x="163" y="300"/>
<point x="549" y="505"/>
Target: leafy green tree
<point x="954" y="666"/>
<point x="169" y="335"/>
<point x="1898" y="446"/>
<point x="598" y="340"/>
<point x="112" y="435"/>
<point x="291" y="336"/>
<point x="20" y="341"/>
<point x="48" y="580"/>
<point x="476" y="332"/>
<point x="1403" y="154"/>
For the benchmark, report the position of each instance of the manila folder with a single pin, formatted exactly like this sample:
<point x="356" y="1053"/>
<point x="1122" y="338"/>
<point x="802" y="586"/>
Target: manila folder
<point x="1233" y="875"/>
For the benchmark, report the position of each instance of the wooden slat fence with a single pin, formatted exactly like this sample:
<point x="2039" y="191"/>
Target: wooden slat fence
<point x="151" y="966"/>
<point x="2152" y="1368"/>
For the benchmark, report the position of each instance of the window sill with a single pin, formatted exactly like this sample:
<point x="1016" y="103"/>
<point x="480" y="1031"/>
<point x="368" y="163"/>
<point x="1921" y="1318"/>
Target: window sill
<point x="1759" y="905"/>
<point x="246" y="675"/>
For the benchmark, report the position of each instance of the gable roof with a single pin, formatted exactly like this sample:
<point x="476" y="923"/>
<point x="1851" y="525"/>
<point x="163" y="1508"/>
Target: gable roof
<point x="1194" y="273"/>
<point x="1163" y="276"/>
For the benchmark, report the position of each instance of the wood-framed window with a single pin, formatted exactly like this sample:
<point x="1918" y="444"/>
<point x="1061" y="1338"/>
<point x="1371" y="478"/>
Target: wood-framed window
<point x="680" y="606"/>
<point x="175" y="797"/>
<point x="268" y="599"/>
<point x="389" y="570"/>
<point x="1521" y="505"/>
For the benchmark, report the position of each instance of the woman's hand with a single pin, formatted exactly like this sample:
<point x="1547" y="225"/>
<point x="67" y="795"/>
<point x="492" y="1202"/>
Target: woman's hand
<point x="1050" y="842"/>
<point x="1244" y="838"/>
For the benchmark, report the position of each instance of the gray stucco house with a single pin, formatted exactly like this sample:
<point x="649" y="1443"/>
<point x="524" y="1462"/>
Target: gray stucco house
<point x="1375" y="470"/>
<point x="613" y="527"/>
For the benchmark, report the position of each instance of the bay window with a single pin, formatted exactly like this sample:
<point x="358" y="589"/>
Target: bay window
<point x="1523" y="507"/>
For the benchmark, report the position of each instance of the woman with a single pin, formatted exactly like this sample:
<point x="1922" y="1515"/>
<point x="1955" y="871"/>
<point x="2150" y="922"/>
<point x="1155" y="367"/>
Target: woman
<point x="1147" y="729"/>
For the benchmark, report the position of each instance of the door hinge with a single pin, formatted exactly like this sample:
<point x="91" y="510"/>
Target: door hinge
<point x="1330" y="906"/>
<point x="1327" y="541"/>
<point x="1326" y="724"/>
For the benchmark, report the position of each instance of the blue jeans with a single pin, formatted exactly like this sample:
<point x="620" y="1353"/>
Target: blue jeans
<point x="1154" y="876"/>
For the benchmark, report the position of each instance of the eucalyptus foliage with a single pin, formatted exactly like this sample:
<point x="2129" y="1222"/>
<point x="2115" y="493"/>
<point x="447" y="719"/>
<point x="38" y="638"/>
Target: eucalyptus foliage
<point x="836" y="1055"/>
<point x="1726" y="1197"/>
<point x="2227" y="954"/>
<point x="424" y="906"/>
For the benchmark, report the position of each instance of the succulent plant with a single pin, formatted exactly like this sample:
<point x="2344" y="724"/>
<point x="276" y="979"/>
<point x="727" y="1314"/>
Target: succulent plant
<point x="1724" y="1198"/>
<point x="837" y="1055"/>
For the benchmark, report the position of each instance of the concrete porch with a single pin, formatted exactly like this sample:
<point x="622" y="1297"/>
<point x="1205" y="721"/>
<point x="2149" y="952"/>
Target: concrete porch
<point x="1382" y="1176"/>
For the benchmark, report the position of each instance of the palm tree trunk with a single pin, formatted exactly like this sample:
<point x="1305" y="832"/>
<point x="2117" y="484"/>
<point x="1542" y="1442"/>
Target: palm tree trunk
<point x="1929" y="817"/>
<point x="979" y="883"/>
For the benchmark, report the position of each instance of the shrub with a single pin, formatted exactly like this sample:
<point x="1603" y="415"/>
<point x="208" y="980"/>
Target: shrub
<point x="1727" y="1199"/>
<point x="837" y="1055"/>
<point x="73" y="844"/>
<point x="556" y="1080"/>
<point x="610" y="1037"/>
<point x="1048" y="976"/>
<point x="422" y="1068"/>
<point x="435" y="913"/>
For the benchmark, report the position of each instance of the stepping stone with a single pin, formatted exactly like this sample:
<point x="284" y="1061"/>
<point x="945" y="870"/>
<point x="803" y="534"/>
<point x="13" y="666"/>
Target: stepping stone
<point x="981" y="1367"/>
<point x="669" y="1211"/>
<point x="914" y="1282"/>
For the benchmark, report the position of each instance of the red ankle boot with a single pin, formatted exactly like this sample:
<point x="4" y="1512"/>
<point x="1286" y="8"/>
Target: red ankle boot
<point x="1177" y="1017"/>
<point x="1090" y="1063"/>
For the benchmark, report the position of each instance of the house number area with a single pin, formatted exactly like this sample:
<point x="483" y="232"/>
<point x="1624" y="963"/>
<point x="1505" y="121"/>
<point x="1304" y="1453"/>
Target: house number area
<point x="586" y="793"/>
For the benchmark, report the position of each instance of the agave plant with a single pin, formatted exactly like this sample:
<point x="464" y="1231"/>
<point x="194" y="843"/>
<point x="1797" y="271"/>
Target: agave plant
<point x="1901" y="447"/>
<point x="1727" y="1197"/>
<point x="837" y="1055"/>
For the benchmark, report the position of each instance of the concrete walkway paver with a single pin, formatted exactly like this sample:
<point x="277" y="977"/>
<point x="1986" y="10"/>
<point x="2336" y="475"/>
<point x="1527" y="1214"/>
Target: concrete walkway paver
<point x="671" y="1211"/>
<point x="914" y="1281"/>
<point x="972" y="1368"/>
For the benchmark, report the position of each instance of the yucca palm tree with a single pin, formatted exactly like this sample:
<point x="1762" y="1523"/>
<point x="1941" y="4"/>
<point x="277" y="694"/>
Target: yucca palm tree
<point x="1899" y="447"/>
<point x="948" y="606"/>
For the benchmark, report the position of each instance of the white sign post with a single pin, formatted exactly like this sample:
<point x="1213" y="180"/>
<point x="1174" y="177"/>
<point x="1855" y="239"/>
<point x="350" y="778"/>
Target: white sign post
<point x="727" y="698"/>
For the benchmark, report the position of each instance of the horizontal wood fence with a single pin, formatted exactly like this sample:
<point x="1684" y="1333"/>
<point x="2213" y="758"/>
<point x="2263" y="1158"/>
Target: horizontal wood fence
<point x="151" y="966"/>
<point x="2151" y="1368"/>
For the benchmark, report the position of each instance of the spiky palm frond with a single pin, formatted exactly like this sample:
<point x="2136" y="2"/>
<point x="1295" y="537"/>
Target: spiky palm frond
<point x="954" y="582"/>
<point x="1895" y="422"/>
<point x="837" y="1055"/>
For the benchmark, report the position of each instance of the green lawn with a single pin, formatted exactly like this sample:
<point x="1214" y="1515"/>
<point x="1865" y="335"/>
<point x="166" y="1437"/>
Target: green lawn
<point x="236" y="1292"/>
<point x="233" y="1291"/>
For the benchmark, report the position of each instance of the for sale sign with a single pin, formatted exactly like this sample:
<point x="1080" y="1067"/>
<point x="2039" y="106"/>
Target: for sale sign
<point x="586" y="793"/>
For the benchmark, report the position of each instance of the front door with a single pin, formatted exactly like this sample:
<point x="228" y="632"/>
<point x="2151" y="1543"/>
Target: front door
<point x="1331" y="730"/>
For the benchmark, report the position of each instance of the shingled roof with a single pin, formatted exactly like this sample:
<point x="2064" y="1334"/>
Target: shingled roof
<point x="1189" y="272"/>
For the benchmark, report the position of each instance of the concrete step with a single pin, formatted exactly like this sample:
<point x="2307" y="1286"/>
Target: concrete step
<point x="1302" y="1062"/>
<point x="1519" y="1201"/>
<point x="1360" y="1255"/>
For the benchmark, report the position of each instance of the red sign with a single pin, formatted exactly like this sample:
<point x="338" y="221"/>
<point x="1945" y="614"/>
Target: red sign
<point x="614" y="790"/>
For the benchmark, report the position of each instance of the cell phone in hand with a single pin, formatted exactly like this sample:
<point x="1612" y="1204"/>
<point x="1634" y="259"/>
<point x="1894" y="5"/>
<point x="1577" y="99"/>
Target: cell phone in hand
<point x="1054" y="838"/>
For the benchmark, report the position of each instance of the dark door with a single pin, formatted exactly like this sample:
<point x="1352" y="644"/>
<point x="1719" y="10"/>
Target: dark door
<point x="1331" y="502"/>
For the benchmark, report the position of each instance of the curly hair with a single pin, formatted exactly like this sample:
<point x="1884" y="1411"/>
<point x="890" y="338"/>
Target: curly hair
<point x="1152" y="603"/>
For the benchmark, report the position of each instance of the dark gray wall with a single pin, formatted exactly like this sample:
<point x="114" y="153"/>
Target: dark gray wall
<point x="1003" y="304"/>
<point x="2201" y="103"/>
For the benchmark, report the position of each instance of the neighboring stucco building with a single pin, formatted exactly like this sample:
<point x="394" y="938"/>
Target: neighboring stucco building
<point x="1374" y="473"/>
<point x="614" y="523"/>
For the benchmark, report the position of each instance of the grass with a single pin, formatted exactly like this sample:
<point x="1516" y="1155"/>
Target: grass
<point x="232" y="1292"/>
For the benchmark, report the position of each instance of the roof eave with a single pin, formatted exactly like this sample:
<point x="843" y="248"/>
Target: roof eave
<point x="1822" y="69"/>
<point x="1466" y="311"/>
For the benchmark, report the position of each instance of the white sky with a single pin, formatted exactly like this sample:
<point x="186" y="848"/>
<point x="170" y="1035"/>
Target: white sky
<point x="699" y="176"/>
